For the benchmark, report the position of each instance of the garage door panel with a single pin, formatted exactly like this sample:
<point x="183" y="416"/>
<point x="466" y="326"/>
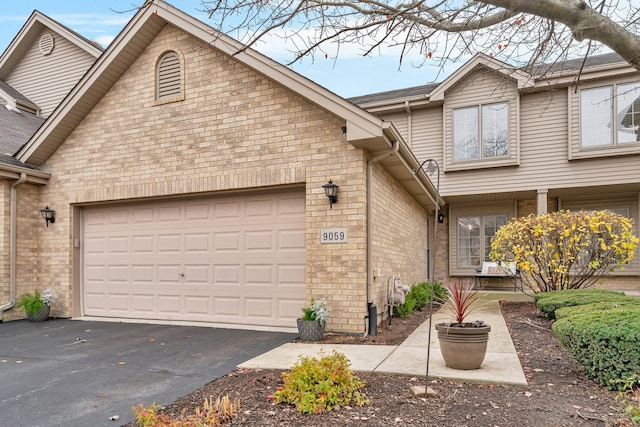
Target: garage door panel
<point x="225" y="211"/>
<point x="197" y="243"/>
<point x="291" y="240"/>
<point x="197" y="212"/>
<point x="197" y="305"/>
<point x="227" y="242"/>
<point x="237" y="259"/>
<point x="169" y="243"/>
<point x="258" y="240"/>
<point x="292" y="275"/>
<point x="144" y="244"/>
<point x="143" y="303"/>
<point x="259" y="308"/>
<point x="226" y="274"/>
<point x="258" y="274"/>
<point x="227" y="307"/>
<point x="289" y="308"/>
<point x="200" y="273"/>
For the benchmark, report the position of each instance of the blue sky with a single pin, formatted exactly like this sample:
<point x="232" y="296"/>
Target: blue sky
<point x="349" y="75"/>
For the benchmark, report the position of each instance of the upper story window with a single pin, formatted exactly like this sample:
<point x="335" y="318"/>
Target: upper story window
<point x="169" y="78"/>
<point x="610" y="115"/>
<point x="481" y="132"/>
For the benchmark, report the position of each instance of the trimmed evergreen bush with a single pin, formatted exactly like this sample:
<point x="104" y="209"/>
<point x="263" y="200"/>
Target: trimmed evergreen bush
<point x="604" y="342"/>
<point x="563" y="312"/>
<point x="555" y="300"/>
<point x="556" y="294"/>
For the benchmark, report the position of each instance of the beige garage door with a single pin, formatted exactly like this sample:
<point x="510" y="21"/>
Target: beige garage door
<point x="232" y="259"/>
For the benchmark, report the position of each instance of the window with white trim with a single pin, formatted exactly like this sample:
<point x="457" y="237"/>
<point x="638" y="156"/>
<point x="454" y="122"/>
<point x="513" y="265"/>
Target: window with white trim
<point x="475" y="234"/>
<point x="169" y="76"/>
<point x="481" y="132"/>
<point x="610" y="115"/>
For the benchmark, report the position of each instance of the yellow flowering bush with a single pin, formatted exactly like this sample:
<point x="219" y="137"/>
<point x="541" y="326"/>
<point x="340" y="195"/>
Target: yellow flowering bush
<point x="566" y="249"/>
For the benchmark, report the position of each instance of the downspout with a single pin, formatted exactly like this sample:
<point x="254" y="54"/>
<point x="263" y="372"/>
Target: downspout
<point x="407" y="108"/>
<point x="394" y="149"/>
<point x="12" y="245"/>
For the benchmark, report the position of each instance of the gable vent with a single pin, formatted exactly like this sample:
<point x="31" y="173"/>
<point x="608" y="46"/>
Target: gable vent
<point x="46" y="44"/>
<point x="169" y="75"/>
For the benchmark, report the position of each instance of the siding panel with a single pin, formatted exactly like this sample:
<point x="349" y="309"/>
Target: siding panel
<point x="46" y="80"/>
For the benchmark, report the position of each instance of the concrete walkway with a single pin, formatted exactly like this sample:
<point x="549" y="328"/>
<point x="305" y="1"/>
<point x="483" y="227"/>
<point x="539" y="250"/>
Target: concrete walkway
<point x="501" y="364"/>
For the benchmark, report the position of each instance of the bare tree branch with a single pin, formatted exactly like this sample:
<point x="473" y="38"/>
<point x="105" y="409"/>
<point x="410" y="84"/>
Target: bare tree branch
<point x="521" y="32"/>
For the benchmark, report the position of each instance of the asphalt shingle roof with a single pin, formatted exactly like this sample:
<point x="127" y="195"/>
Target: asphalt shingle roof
<point x="570" y="65"/>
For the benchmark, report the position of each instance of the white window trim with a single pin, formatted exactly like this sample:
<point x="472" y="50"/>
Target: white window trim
<point x="576" y="150"/>
<point x="480" y="131"/>
<point x="467" y="210"/>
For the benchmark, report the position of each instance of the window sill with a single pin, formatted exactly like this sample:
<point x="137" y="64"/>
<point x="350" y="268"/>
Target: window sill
<point x="480" y="164"/>
<point x="607" y="151"/>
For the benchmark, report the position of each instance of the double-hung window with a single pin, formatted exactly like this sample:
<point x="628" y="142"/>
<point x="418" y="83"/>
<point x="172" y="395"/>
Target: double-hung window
<point x="610" y="115"/>
<point x="481" y="132"/>
<point x="475" y="234"/>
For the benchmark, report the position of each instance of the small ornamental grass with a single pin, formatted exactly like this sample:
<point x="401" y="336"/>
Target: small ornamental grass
<point x="318" y="385"/>
<point x="213" y="413"/>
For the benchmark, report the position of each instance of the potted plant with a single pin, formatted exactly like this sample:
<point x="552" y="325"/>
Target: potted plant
<point x="314" y="319"/>
<point x="36" y="306"/>
<point x="463" y="344"/>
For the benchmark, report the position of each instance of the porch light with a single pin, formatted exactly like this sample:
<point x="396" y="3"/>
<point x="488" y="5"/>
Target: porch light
<point x="441" y="218"/>
<point x="49" y="215"/>
<point x="331" y="190"/>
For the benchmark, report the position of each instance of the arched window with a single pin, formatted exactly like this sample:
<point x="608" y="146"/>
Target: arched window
<point x="169" y="76"/>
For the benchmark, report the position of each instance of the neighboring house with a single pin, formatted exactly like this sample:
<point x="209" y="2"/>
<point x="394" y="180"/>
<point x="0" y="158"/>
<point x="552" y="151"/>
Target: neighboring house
<point x="187" y="175"/>
<point x="37" y="70"/>
<point x="513" y="142"/>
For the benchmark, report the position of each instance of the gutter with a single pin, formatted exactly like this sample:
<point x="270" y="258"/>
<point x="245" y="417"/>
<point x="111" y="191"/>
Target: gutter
<point x="395" y="145"/>
<point x="12" y="245"/>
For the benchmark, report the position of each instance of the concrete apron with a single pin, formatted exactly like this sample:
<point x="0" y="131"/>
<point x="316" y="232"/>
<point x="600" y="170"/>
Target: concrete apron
<point x="501" y="364"/>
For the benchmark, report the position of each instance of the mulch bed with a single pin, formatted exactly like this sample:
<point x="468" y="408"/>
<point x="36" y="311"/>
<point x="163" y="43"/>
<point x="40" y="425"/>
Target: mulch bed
<point x="558" y="394"/>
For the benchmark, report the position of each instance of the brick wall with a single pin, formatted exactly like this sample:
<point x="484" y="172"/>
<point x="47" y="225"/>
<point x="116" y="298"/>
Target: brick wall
<point x="234" y="130"/>
<point x="399" y="237"/>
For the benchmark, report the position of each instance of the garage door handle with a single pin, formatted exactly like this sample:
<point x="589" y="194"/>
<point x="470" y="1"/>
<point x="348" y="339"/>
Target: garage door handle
<point x="181" y="274"/>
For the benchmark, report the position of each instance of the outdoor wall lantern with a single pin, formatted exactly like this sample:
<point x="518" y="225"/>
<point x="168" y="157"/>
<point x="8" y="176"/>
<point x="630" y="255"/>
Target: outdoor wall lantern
<point x="441" y="218"/>
<point x="331" y="190"/>
<point x="49" y="215"/>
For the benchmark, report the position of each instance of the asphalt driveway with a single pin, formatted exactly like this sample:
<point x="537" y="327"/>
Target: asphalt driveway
<point x="75" y="373"/>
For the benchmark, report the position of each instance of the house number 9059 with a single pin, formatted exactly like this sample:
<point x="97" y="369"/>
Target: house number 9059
<point x="333" y="235"/>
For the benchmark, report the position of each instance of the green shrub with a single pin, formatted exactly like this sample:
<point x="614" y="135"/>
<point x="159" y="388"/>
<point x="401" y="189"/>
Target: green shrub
<point x="419" y="296"/>
<point x="596" y="307"/>
<point x="317" y="385"/>
<point x="556" y="294"/>
<point x="605" y="343"/>
<point x="555" y="300"/>
<point x="406" y="308"/>
<point x="420" y="293"/>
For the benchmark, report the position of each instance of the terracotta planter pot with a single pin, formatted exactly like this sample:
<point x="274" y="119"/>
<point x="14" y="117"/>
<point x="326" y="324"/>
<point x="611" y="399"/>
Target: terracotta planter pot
<point x="463" y="347"/>
<point x="310" y="330"/>
<point x="40" y="316"/>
